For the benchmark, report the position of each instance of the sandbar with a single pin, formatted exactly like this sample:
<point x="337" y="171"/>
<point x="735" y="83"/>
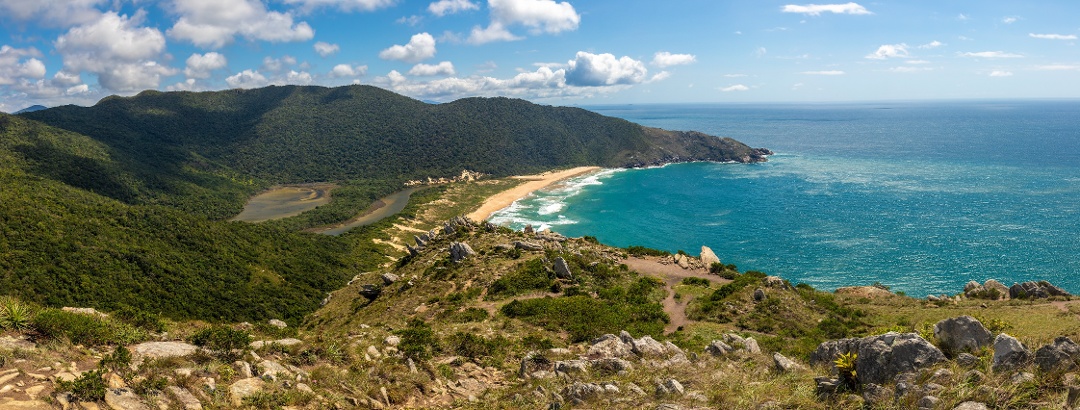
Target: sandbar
<point x="539" y="181"/>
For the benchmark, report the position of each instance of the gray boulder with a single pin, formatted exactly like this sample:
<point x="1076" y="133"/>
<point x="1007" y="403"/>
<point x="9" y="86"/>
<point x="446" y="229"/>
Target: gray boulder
<point x="718" y="348"/>
<point x="163" y="350"/>
<point x="962" y="334"/>
<point x="389" y="278"/>
<point x="708" y="257"/>
<point x="370" y="292"/>
<point x="967" y="360"/>
<point x="528" y="246"/>
<point x="1009" y="353"/>
<point x="1060" y="355"/>
<point x="827" y="352"/>
<point x="648" y="347"/>
<point x="571" y="367"/>
<point x="420" y="242"/>
<point x="883" y="357"/>
<point x="459" y="251"/>
<point x="785" y="365"/>
<point x="609" y="347"/>
<point x="1035" y="290"/>
<point x="562" y="269"/>
<point x="612" y="365"/>
<point x="670" y="386"/>
<point x="579" y="392"/>
<point x="413" y="252"/>
<point x="971" y="405"/>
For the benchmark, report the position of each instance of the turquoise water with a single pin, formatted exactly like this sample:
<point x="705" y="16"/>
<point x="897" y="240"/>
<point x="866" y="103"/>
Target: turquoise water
<point x="921" y="197"/>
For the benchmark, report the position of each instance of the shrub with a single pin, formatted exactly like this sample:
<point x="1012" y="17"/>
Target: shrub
<point x="845" y="365"/>
<point x="84" y="329"/>
<point x="142" y="319"/>
<point x="474" y="346"/>
<point x="530" y="276"/>
<point x="643" y="251"/>
<point x="418" y="341"/>
<point x="696" y="282"/>
<point x="584" y="318"/>
<point x="221" y="338"/>
<point x="14" y="315"/>
<point x="118" y="360"/>
<point x="90" y="386"/>
<point x="473" y="314"/>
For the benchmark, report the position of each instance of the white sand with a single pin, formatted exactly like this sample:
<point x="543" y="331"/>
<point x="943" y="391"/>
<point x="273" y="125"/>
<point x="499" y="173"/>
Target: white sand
<point x="506" y="198"/>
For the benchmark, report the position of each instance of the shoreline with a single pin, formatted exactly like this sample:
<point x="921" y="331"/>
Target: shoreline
<point x="536" y="182"/>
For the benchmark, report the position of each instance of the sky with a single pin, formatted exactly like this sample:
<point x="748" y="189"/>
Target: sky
<point x="574" y="52"/>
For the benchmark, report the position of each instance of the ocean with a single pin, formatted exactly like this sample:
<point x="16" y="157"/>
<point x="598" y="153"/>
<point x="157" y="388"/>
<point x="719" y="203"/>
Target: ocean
<point x="918" y="196"/>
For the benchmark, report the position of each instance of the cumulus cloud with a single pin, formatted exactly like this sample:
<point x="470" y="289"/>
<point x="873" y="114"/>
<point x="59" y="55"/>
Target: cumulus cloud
<point x="539" y="16"/>
<point x="889" y="51"/>
<point x="115" y="48"/>
<point x="54" y="13"/>
<point x="343" y="5"/>
<point x="443" y="68"/>
<point x="20" y="63"/>
<point x="1000" y="73"/>
<point x="1009" y="20"/>
<point x="420" y="47"/>
<point x="817" y="9"/>
<point x="345" y="70"/>
<point x="200" y="65"/>
<point x="932" y="44"/>
<point x="736" y="87"/>
<point x="1058" y="67"/>
<point x="215" y="23"/>
<point x="665" y="59"/>
<point x="990" y="54"/>
<point x="824" y="72"/>
<point x="278" y="64"/>
<point x="444" y="7"/>
<point x="1053" y="36"/>
<point x="325" y="49"/>
<point x="587" y="69"/>
<point x="247" y="79"/>
<point x="661" y="76"/>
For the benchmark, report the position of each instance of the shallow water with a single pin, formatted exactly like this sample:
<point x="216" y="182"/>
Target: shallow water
<point x="283" y="202"/>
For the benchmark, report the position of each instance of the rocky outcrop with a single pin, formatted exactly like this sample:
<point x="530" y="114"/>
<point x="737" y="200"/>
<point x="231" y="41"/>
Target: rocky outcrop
<point x="883" y="357"/>
<point x="1035" y="290"/>
<point x="162" y="350"/>
<point x="1009" y="354"/>
<point x="609" y="346"/>
<point x="708" y="257"/>
<point x="992" y="290"/>
<point x="827" y="352"/>
<point x="124" y="399"/>
<point x="730" y="342"/>
<point x="459" y="251"/>
<point x="389" y="278"/>
<point x="1061" y="355"/>
<point x="370" y="292"/>
<point x="259" y="344"/>
<point x="528" y="246"/>
<point x="962" y="334"/>
<point x="784" y="365"/>
<point x="245" y="388"/>
<point x="562" y="269"/>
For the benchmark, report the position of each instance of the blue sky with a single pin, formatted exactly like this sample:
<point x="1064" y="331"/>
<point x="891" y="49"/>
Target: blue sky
<point x="573" y="52"/>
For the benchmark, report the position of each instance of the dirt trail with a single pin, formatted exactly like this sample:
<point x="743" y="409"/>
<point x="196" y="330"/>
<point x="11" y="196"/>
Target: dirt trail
<point x="672" y="275"/>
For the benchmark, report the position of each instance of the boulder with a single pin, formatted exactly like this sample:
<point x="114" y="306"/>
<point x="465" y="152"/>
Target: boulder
<point x="647" y="347"/>
<point x="562" y="269"/>
<point x="186" y="399"/>
<point x="579" y="392"/>
<point x="528" y="246"/>
<point x="1035" y="290"/>
<point x="967" y="360"/>
<point x="827" y="352"/>
<point x="389" y="278"/>
<point x="278" y="323"/>
<point x="775" y="282"/>
<point x="876" y="395"/>
<point x="609" y="347"/>
<point x="718" y="348"/>
<point x="962" y="334"/>
<point x="370" y="292"/>
<point x="670" y="386"/>
<point x="744" y="343"/>
<point x="420" y="242"/>
<point x="259" y="344"/>
<point x="708" y="257"/>
<point x="682" y="261"/>
<point x="124" y="399"/>
<point x="1060" y="355"/>
<point x="759" y="295"/>
<point x="245" y="388"/>
<point x="612" y="365"/>
<point x="272" y="370"/>
<point x="882" y="357"/>
<point x="1009" y="353"/>
<point x="459" y="251"/>
<point x="927" y="403"/>
<point x="413" y="252"/>
<point x="785" y="365"/>
<point x="161" y="350"/>
<point x="971" y="405"/>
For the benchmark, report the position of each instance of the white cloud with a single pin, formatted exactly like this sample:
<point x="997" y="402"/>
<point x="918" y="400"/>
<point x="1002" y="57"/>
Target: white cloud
<point x="889" y="51"/>
<point x="990" y="54"/>
<point x="1053" y="36"/>
<point x="1058" y="67"/>
<point x="909" y="69"/>
<point x="444" y="7"/>
<point x="540" y="16"/>
<point x="917" y="62"/>
<point x="412" y="20"/>
<point x="325" y="49"/>
<point x="1009" y="20"/>
<point x="297" y="77"/>
<point x="736" y="87"/>
<point x="345" y="70"/>
<point x="734" y="75"/>
<point x="665" y="59"/>
<point x="1000" y="73"/>
<point x="932" y="44"/>
<point x="215" y="23"/>
<point x="661" y="76"/>
<point x="962" y="17"/>
<point x="343" y="5"/>
<point x="62" y="78"/>
<point x="825" y="72"/>
<point x="117" y="50"/>
<point x="760" y="52"/>
<point x="186" y="85"/>
<point x="200" y="65"/>
<point x="424" y="70"/>
<point x="247" y="79"/>
<point x="20" y="63"/>
<point x="587" y="69"/>
<point x="817" y="9"/>
<point x="420" y="47"/>
<point x="54" y="13"/>
<point x="278" y="64"/>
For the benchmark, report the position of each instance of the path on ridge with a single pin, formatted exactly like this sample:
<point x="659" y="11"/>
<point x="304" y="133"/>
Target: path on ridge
<point x="672" y="275"/>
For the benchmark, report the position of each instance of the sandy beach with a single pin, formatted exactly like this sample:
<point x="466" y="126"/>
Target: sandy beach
<point x="538" y="181"/>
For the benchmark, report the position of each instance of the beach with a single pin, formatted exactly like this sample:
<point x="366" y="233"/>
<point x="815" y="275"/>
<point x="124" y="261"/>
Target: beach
<point x="535" y="182"/>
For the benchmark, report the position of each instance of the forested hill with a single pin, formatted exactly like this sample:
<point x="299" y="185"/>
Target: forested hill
<point x="297" y="134"/>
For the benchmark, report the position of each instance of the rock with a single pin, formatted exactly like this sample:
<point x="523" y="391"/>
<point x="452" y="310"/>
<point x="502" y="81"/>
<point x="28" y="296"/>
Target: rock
<point x="647" y="347"/>
<point x="673" y="350"/>
<point x="459" y="251"/>
<point x="759" y="295"/>
<point x="967" y="360"/>
<point x="973" y="376"/>
<point x="670" y="386"/>
<point x="161" y="350"/>
<point x="243" y="369"/>
<point x="1022" y="377"/>
<point x="124" y="399"/>
<point x="612" y="365"/>
<point x="528" y="246"/>
<point x="708" y="257"/>
<point x="927" y="403"/>
<point x="718" y="348"/>
<point x="775" y="282"/>
<point x="1009" y="353"/>
<point x="85" y="311"/>
<point x="389" y="278"/>
<point x="971" y="405"/>
<point x="244" y="388"/>
<point x="528" y="229"/>
<point x="571" y="367"/>
<point x="882" y="357"/>
<point x="413" y="252"/>
<point x="16" y="342"/>
<point x="373" y="352"/>
<point x="737" y="342"/>
<point x="186" y="399"/>
<point x="392" y="340"/>
<point x="876" y="395"/>
<point x="259" y="344"/>
<point x="579" y="392"/>
<point x="562" y="270"/>
<point x="826" y="385"/>
<point x="1061" y="355"/>
<point x="272" y="370"/>
<point x="609" y="347"/>
<point x="1073" y="399"/>
<point x="420" y="242"/>
<point x="962" y="334"/>
<point x="635" y="389"/>
<point x="370" y="292"/>
<point x="827" y="352"/>
<point x="532" y="363"/>
<point x="971" y="285"/>
<point x="785" y="365"/>
<point x="1035" y="290"/>
<point x="278" y="323"/>
<point x="993" y="286"/>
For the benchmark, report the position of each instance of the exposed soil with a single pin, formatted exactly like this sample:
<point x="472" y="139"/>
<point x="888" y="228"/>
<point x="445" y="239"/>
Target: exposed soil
<point x="672" y="275"/>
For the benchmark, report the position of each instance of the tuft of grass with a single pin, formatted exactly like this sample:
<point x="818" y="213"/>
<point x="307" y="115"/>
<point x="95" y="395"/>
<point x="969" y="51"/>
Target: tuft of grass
<point x="85" y="329"/>
<point x="14" y="314"/>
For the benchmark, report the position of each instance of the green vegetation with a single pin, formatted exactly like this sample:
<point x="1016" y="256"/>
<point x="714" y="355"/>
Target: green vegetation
<point x="693" y="281"/>
<point x="79" y="328"/>
<point x="532" y="275"/>
<point x="643" y="251"/>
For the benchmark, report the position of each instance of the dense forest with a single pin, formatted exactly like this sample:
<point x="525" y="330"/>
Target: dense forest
<point x="124" y="204"/>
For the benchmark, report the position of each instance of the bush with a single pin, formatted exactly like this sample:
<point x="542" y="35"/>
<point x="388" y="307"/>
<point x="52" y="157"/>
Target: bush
<point x="221" y="338"/>
<point x="84" y="329"/>
<point x="89" y="387"/>
<point x="418" y="341"/>
<point x="149" y="321"/>
<point x="530" y="276"/>
<point x="696" y="282"/>
<point x="474" y="346"/>
<point x="118" y="360"/>
<point x="585" y="318"/>
<point x="643" y="251"/>
<point x="472" y="314"/>
<point x="14" y="315"/>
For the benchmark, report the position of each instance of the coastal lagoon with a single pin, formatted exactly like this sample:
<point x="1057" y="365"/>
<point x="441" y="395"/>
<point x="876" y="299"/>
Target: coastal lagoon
<point x="921" y="197"/>
<point x="285" y="201"/>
